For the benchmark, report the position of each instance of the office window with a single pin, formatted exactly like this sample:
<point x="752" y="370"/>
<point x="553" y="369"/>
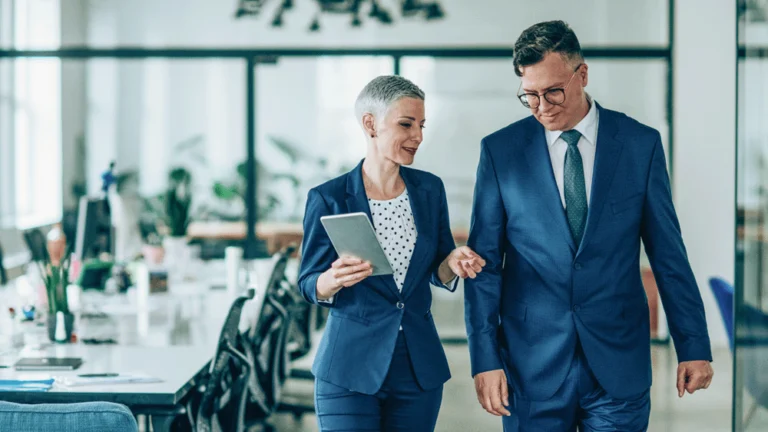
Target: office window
<point x="306" y="127"/>
<point x="30" y="115"/>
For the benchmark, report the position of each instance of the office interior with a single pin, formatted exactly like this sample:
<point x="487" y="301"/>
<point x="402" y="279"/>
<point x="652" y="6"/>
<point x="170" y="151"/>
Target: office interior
<point x="163" y="150"/>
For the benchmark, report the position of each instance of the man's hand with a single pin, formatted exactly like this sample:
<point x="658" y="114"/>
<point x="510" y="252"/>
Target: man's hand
<point x="492" y="391"/>
<point x="693" y="375"/>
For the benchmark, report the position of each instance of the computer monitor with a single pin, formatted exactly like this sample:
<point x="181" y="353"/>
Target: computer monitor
<point x="37" y="244"/>
<point x="94" y="231"/>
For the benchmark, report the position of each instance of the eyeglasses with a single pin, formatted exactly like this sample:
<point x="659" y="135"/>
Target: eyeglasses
<point x="555" y="96"/>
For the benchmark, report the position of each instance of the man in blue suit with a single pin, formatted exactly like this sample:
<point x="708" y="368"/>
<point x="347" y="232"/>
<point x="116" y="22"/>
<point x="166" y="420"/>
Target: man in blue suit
<point x="558" y="321"/>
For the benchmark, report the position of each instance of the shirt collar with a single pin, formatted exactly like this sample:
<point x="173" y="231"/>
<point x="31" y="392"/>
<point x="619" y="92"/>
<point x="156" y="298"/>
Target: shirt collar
<point x="587" y="126"/>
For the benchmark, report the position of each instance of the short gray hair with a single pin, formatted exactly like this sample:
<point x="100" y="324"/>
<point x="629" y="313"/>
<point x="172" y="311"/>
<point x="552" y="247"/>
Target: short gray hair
<point x="379" y="94"/>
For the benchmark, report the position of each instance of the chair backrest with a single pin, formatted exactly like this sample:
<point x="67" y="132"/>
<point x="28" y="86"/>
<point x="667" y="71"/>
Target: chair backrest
<point x="266" y="341"/>
<point x="3" y="274"/>
<point x="82" y="417"/>
<point x="222" y="404"/>
<point x="723" y="292"/>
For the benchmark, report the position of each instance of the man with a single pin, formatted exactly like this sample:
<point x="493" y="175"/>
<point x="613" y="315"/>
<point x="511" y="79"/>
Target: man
<point x="558" y="321"/>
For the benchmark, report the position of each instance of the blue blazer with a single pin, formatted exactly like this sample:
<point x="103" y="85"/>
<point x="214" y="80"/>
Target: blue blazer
<point x="364" y="320"/>
<point x="540" y="294"/>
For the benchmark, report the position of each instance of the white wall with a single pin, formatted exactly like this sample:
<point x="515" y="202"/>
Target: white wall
<point x="488" y="22"/>
<point x="704" y="116"/>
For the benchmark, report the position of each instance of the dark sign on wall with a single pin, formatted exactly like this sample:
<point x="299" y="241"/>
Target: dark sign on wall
<point x="356" y="9"/>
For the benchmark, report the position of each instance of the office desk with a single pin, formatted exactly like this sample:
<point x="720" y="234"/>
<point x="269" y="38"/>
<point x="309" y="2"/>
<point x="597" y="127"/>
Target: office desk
<point x="178" y="367"/>
<point x="172" y="337"/>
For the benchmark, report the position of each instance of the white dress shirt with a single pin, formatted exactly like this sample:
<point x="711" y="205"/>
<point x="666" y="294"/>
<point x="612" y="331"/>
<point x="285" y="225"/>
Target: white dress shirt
<point x="587" y="145"/>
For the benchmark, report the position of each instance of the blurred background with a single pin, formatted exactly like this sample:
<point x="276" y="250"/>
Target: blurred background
<point x="183" y="136"/>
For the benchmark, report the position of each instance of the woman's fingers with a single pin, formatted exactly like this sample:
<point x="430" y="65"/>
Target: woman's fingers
<point x="346" y="261"/>
<point x="355" y="278"/>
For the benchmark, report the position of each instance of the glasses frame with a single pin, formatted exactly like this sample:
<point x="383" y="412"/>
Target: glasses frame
<point x="524" y="96"/>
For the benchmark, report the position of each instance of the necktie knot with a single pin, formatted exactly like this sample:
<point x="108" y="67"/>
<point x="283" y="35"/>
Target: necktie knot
<point x="571" y="137"/>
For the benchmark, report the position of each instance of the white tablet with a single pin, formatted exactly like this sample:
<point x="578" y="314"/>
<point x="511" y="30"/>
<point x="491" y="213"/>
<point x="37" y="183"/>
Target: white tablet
<point x="352" y="235"/>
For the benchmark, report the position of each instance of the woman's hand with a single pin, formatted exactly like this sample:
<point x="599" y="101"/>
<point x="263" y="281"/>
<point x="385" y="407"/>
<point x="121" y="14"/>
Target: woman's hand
<point x="344" y="272"/>
<point x="463" y="262"/>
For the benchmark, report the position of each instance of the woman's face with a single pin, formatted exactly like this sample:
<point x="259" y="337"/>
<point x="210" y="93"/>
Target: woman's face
<point x="397" y="136"/>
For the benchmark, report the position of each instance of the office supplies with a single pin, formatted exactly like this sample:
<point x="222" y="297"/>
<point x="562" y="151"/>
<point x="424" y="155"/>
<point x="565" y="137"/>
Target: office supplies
<point x="352" y="235"/>
<point x="48" y="363"/>
<point x="107" y="378"/>
<point x="25" y="385"/>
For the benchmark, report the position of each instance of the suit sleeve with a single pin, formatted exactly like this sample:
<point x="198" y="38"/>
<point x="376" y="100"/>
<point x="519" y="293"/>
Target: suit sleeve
<point x="445" y="245"/>
<point x="317" y="251"/>
<point x="660" y="232"/>
<point x="483" y="294"/>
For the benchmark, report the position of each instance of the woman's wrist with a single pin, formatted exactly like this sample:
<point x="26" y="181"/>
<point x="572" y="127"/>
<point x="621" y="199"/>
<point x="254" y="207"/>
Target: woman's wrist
<point x="444" y="272"/>
<point x="325" y="286"/>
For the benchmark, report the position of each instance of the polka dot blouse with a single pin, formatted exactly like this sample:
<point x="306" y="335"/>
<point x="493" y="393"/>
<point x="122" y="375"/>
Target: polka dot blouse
<point x="396" y="232"/>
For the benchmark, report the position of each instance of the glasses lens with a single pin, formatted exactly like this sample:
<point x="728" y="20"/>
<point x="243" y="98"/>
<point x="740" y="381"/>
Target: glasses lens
<point x="555" y="97"/>
<point x="529" y="101"/>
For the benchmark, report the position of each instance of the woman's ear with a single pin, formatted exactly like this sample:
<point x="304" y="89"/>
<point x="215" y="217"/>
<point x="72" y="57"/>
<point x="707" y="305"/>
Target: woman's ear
<point x="369" y="124"/>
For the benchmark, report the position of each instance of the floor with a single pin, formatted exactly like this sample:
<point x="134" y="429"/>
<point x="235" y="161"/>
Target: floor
<point x="708" y="411"/>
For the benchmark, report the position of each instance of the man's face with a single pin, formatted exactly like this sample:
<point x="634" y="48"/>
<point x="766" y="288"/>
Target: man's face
<point x="553" y="72"/>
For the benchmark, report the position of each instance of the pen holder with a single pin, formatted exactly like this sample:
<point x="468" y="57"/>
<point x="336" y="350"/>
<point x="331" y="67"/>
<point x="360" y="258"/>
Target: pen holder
<point x="68" y="324"/>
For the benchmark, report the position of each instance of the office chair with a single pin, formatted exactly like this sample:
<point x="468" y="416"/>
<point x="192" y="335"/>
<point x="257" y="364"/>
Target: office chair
<point x="83" y="417"/>
<point x="753" y="341"/>
<point x="266" y="343"/>
<point x="221" y="405"/>
<point x="3" y="274"/>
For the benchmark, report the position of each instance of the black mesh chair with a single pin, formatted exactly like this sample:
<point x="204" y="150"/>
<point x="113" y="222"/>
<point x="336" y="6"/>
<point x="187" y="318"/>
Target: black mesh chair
<point x="222" y="397"/>
<point x="3" y="274"/>
<point x="266" y="343"/>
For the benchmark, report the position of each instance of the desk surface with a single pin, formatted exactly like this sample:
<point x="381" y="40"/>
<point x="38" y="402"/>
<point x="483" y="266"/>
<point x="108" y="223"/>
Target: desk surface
<point x="172" y="338"/>
<point x="176" y="366"/>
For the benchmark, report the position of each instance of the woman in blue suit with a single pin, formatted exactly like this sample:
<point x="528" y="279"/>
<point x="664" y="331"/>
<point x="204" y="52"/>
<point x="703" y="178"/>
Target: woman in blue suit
<point x="380" y="365"/>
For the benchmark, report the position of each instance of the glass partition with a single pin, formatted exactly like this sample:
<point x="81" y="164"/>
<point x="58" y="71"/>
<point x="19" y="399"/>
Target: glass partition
<point x="750" y="308"/>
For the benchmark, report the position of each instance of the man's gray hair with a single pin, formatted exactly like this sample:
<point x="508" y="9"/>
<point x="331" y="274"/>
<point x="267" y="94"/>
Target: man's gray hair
<point x="379" y="94"/>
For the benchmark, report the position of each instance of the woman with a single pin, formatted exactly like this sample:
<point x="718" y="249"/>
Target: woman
<point x="380" y="365"/>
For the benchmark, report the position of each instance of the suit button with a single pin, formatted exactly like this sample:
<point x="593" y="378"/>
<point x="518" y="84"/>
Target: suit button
<point x="576" y="308"/>
<point x="577" y="266"/>
<point x="400" y="305"/>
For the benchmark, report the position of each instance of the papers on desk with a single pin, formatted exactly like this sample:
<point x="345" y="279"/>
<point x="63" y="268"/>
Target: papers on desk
<point x="25" y="385"/>
<point x="76" y="381"/>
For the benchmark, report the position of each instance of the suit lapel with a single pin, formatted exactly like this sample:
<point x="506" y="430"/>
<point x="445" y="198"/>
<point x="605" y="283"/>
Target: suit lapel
<point x="421" y="216"/>
<point x="357" y="201"/>
<point x="607" y="156"/>
<point x="537" y="154"/>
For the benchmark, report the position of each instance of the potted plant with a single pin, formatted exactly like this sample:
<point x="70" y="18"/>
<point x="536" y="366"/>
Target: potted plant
<point x="55" y="276"/>
<point x="176" y="204"/>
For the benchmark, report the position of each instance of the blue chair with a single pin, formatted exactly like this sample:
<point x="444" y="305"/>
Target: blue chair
<point x="753" y="342"/>
<point x="723" y="292"/>
<point x="74" y="417"/>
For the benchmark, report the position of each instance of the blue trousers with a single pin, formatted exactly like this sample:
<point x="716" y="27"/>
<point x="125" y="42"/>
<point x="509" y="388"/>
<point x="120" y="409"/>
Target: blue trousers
<point x="580" y="402"/>
<point x="400" y="404"/>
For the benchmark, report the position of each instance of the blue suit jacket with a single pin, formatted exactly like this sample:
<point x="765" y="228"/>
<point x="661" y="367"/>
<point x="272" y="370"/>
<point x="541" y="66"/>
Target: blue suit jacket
<point x="364" y="321"/>
<point x="540" y="294"/>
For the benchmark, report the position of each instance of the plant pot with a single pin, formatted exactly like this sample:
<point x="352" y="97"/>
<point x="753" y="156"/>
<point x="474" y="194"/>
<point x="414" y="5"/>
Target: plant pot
<point x="176" y="257"/>
<point x="69" y="324"/>
<point x="153" y="255"/>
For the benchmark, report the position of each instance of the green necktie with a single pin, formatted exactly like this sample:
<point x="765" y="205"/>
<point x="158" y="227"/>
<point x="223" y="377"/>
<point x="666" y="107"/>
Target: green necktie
<point x="575" y="189"/>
